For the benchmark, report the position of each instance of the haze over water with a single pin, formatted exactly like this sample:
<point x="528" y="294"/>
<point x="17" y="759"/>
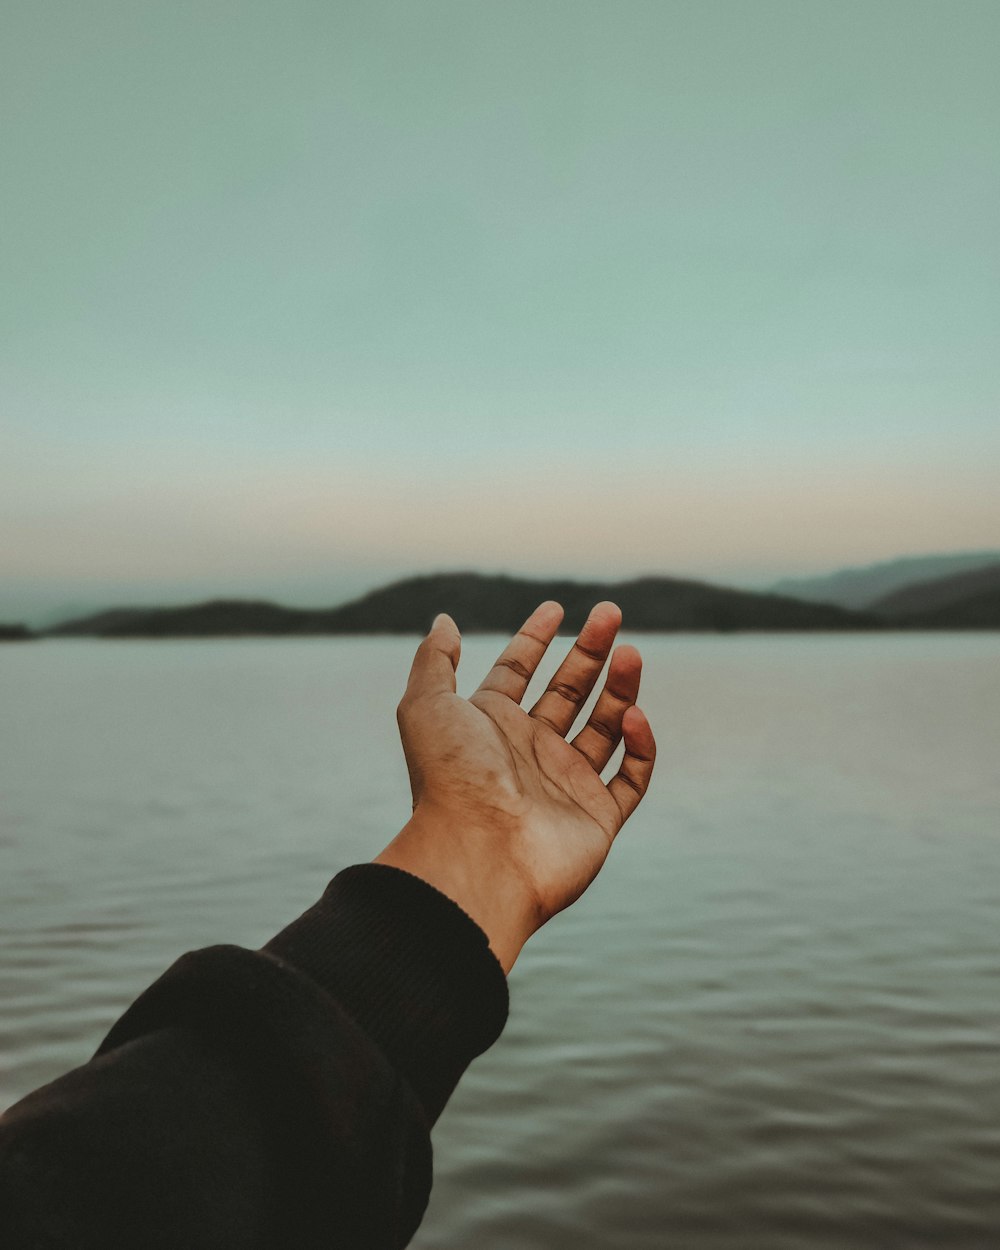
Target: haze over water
<point x="774" y="1021"/>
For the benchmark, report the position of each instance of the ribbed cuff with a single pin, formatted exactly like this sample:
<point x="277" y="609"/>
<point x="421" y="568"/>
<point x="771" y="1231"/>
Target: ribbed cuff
<point x="412" y="969"/>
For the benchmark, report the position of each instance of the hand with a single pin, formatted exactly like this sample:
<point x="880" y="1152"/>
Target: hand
<point x="511" y="820"/>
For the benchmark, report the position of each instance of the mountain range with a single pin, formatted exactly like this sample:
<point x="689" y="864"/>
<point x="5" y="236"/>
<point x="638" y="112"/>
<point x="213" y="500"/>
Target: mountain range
<point x="479" y="603"/>
<point x="963" y="599"/>
<point x="968" y="599"/>
<point x="864" y="587"/>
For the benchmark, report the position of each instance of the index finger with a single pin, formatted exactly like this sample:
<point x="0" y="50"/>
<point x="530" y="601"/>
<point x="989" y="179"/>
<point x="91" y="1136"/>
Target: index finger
<point x="516" y="664"/>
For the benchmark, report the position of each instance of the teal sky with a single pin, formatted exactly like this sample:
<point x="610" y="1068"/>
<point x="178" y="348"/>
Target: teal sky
<point x="297" y="296"/>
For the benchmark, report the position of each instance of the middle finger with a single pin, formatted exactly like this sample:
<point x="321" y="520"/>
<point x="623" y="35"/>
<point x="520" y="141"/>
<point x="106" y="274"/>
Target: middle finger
<point x="575" y="677"/>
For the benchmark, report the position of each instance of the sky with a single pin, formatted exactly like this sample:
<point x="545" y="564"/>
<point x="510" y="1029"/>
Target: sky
<point x="301" y="295"/>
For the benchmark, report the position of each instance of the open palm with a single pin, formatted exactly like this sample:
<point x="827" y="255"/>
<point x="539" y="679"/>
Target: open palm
<point x="508" y="812"/>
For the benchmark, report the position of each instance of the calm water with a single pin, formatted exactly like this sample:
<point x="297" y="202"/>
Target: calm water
<point x="773" y="1022"/>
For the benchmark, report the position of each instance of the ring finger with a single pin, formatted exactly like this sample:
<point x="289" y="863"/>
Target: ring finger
<point x="603" y="731"/>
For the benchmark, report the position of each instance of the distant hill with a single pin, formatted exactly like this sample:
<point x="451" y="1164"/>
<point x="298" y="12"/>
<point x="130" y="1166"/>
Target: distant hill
<point x="495" y="603"/>
<point x="966" y="600"/>
<point x="861" y="588"/>
<point x="940" y="592"/>
<point x="479" y="604"/>
<point x="99" y="623"/>
<point x="15" y="633"/>
<point x="215" y="618"/>
<point x="980" y="611"/>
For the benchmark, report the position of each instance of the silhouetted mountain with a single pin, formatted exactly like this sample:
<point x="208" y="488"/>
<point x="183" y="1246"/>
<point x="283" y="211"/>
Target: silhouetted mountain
<point x="501" y="604"/>
<point x="216" y="618"/>
<point x="978" y="611"/>
<point x="480" y="604"/>
<point x="860" y="588"/>
<point x="939" y="592"/>
<point x="16" y="633"/>
<point x="100" y="623"/>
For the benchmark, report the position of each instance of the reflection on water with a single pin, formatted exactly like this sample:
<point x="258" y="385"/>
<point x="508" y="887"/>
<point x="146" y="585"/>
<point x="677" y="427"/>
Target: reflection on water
<point x="773" y="1022"/>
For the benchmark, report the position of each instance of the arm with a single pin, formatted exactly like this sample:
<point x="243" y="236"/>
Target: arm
<point x="284" y="1097"/>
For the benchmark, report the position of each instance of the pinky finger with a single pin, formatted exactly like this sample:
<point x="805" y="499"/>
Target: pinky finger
<point x="628" y="786"/>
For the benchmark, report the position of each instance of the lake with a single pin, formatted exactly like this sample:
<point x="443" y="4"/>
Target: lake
<point x="773" y="1021"/>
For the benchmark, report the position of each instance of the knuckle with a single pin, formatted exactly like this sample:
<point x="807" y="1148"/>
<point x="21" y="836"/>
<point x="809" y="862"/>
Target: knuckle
<point x="605" y="730"/>
<point x="566" y="690"/>
<point x="515" y="666"/>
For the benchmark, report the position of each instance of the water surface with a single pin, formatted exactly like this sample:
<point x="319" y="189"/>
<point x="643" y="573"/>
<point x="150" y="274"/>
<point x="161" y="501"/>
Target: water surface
<point x="774" y="1021"/>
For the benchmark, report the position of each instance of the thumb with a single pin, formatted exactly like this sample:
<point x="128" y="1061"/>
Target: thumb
<point x="433" y="669"/>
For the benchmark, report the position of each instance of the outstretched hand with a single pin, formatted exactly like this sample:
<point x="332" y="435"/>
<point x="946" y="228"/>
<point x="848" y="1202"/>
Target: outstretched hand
<point x="512" y="820"/>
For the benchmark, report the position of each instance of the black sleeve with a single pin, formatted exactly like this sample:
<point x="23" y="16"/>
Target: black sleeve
<point x="272" y="1098"/>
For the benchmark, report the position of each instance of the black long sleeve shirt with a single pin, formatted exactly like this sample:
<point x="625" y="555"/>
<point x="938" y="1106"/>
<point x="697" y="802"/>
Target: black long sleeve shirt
<point x="264" y="1099"/>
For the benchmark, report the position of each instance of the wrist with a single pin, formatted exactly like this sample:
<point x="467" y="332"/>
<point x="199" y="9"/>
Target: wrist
<point x="469" y="864"/>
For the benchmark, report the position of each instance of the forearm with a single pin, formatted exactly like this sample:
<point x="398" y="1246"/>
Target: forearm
<point x="275" y="1098"/>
